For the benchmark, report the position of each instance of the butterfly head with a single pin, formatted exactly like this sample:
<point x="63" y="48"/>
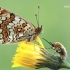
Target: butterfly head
<point x="39" y="30"/>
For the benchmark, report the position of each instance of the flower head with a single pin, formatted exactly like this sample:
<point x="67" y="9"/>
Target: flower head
<point x="31" y="55"/>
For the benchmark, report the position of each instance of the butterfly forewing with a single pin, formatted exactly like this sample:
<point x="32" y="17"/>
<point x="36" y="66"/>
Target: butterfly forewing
<point x="14" y="29"/>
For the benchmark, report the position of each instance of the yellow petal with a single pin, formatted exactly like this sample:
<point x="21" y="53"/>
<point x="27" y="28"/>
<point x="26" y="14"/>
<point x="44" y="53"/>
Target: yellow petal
<point x="27" y="55"/>
<point x="40" y="42"/>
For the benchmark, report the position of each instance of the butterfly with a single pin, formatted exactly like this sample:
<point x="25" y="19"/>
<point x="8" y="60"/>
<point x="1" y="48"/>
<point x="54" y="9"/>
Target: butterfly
<point x="14" y="29"/>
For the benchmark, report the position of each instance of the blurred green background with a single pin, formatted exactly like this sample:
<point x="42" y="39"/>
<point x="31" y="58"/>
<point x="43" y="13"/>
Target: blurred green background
<point x="54" y="17"/>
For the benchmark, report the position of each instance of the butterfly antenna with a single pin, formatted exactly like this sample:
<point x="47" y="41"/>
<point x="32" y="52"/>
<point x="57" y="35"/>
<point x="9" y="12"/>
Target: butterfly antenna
<point x="37" y="19"/>
<point x="38" y="15"/>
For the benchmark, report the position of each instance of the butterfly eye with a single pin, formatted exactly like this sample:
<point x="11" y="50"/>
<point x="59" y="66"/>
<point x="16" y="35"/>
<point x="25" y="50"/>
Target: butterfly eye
<point x="39" y="30"/>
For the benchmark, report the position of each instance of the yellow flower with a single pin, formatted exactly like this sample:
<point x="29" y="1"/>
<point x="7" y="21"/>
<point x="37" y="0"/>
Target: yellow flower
<point x="28" y="55"/>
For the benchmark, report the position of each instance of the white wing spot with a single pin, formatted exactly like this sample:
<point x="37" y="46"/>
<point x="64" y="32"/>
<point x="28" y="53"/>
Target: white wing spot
<point x="19" y="29"/>
<point x="11" y="37"/>
<point x="0" y="17"/>
<point x="22" y="21"/>
<point x="28" y="25"/>
<point x="8" y="26"/>
<point x="20" y="34"/>
<point x="15" y="22"/>
<point x="0" y="30"/>
<point x="1" y="35"/>
<point x="11" y="33"/>
<point x="10" y="29"/>
<point x="8" y="15"/>
<point x="0" y="21"/>
<point x="15" y="25"/>
<point x="3" y="18"/>
<point x="17" y="19"/>
<point x="11" y="24"/>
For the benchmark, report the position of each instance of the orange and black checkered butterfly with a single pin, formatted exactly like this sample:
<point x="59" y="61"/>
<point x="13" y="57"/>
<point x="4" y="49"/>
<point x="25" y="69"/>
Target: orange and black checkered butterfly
<point x="15" y="29"/>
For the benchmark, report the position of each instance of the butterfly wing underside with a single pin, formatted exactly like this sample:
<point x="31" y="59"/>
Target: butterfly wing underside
<point x="13" y="28"/>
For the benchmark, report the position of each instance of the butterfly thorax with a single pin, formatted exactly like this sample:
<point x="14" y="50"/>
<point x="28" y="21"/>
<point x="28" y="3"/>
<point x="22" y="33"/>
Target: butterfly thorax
<point x="38" y="30"/>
